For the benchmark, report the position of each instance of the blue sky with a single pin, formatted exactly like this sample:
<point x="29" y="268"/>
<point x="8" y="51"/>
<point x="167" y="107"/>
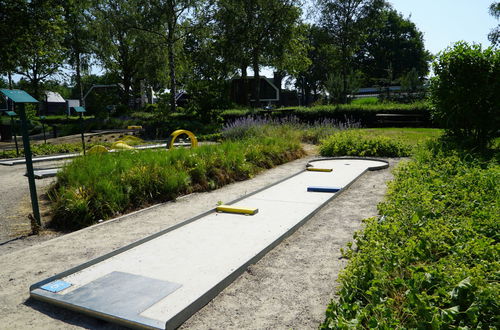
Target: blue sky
<point x="444" y="22"/>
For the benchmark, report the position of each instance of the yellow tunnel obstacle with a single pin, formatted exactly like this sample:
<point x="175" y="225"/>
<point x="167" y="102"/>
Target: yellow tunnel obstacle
<point x="175" y="134"/>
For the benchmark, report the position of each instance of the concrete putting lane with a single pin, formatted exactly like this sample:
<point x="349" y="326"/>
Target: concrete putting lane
<point x="191" y="263"/>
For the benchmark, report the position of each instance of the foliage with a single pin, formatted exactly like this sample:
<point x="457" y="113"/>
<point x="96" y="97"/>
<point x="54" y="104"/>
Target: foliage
<point x="494" y="35"/>
<point x="393" y="42"/>
<point x="101" y="186"/>
<point x="288" y="126"/>
<point x="352" y="143"/>
<point x="259" y="32"/>
<point x="44" y="149"/>
<point x="339" y="86"/>
<point x="464" y="93"/>
<point x="118" y="46"/>
<point x="431" y="259"/>
<point x="363" y="114"/>
<point x="40" y="47"/>
<point x="346" y="22"/>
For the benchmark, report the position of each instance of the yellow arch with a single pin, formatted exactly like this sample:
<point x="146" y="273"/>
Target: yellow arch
<point x="175" y="134"/>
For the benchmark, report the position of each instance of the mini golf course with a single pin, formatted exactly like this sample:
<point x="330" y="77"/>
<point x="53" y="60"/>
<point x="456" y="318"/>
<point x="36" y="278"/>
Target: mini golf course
<point x="160" y="281"/>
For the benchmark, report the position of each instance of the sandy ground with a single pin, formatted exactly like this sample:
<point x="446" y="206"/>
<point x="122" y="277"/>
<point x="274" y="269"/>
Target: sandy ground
<point x="288" y="289"/>
<point x="15" y="204"/>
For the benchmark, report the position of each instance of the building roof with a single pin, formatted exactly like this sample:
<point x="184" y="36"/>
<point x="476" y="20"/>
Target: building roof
<point x="54" y="97"/>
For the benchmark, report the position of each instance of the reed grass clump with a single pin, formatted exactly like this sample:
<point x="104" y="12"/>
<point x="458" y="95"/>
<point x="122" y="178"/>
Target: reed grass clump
<point x="102" y="186"/>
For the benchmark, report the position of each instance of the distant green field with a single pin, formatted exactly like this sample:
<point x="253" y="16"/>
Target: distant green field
<point x="411" y="136"/>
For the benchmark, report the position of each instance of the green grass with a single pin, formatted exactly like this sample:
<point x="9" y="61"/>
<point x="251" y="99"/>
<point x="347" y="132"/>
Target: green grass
<point x="102" y="186"/>
<point x="366" y="100"/>
<point x="431" y="260"/>
<point x="409" y="136"/>
<point x="382" y="142"/>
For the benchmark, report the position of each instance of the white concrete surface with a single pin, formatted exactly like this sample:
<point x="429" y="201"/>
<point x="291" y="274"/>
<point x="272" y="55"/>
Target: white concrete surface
<point x="208" y="252"/>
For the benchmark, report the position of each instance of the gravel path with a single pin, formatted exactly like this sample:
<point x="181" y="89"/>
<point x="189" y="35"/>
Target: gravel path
<point x="15" y="204"/>
<point x="289" y="288"/>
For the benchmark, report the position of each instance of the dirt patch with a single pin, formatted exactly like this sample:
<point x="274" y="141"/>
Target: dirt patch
<point x="288" y="288"/>
<point x="15" y="205"/>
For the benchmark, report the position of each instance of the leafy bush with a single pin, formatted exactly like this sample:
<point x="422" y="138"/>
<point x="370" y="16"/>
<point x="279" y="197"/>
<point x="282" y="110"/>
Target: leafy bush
<point x="104" y="185"/>
<point x="364" y="114"/>
<point x="352" y="143"/>
<point x="44" y="149"/>
<point x="431" y="260"/>
<point x="465" y="93"/>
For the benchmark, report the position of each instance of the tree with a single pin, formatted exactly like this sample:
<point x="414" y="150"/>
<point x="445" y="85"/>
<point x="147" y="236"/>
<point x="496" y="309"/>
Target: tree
<point x="320" y="53"/>
<point x="346" y="21"/>
<point x="464" y="93"/>
<point x="171" y="21"/>
<point x="257" y="32"/>
<point x="78" y="41"/>
<point x="395" y="42"/>
<point x="40" y="51"/>
<point x="494" y="35"/>
<point x="120" y="48"/>
<point x="12" y="13"/>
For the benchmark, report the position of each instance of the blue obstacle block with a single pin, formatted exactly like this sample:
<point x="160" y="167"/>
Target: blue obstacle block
<point x="323" y="189"/>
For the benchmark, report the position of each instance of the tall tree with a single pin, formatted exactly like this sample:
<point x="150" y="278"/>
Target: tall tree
<point x="78" y="39"/>
<point x="12" y="14"/>
<point x="320" y="52"/>
<point x="118" y="46"/>
<point x="346" y="21"/>
<point x="257" y="32"/>
<point x="393" y="42"/>
<point x="171" y="21"/>
<point x="494" y="35"/>
<point x="41" y="51"/>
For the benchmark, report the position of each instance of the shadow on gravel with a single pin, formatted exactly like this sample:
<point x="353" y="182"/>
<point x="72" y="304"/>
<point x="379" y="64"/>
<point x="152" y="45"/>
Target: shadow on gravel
<point x="70" y="317"/>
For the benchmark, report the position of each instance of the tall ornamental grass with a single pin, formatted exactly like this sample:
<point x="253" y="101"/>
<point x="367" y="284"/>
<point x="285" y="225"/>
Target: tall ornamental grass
<point x="288" y="126"/>
<point x="104" y="185"/>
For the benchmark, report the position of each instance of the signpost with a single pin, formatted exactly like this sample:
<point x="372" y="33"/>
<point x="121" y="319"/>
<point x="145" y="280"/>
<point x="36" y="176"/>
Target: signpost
<point x="81" y="111"/>
<point x="20" y="98"/>
<point x="12" y="114"/>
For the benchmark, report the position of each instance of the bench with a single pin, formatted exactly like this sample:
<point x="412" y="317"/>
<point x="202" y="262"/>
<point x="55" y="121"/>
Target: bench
<point x="396" y="118"/>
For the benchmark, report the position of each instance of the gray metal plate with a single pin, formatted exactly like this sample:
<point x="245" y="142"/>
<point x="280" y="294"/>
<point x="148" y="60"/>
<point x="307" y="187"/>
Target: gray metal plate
<point x="121" y="295"/>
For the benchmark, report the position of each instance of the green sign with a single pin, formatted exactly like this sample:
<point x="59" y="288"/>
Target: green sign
<point x="11" y="113"/>
<point x="18" y="96"/>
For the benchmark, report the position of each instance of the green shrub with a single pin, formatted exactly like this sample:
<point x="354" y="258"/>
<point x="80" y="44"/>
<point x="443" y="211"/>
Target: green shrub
<point x="44" y="149"/>
<point x="352" y="143"/>
<point x="101" y="186"/>
<point x="465" y="93"/>
<point x="431" y="260"/>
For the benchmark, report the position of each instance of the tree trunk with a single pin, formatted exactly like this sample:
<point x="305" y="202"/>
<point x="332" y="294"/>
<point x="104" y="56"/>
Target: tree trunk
<point x="278" y="78"/>
<point x="79" y="86"/>
<point x="171" y="66"/>
<point x="9" y="75"/>
<point x="256" y="80"/>
<point x="244" y="84"/>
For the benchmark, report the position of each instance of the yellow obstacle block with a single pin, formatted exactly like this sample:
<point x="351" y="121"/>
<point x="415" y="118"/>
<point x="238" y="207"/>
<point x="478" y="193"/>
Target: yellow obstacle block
<point x="120" y="145"/>
<point x="314" y="169"/>
<point x="175" y="134"/>
<point x="236" y="209"/>
<point x="98" y="149"/>
<point x="134" y="127"/>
